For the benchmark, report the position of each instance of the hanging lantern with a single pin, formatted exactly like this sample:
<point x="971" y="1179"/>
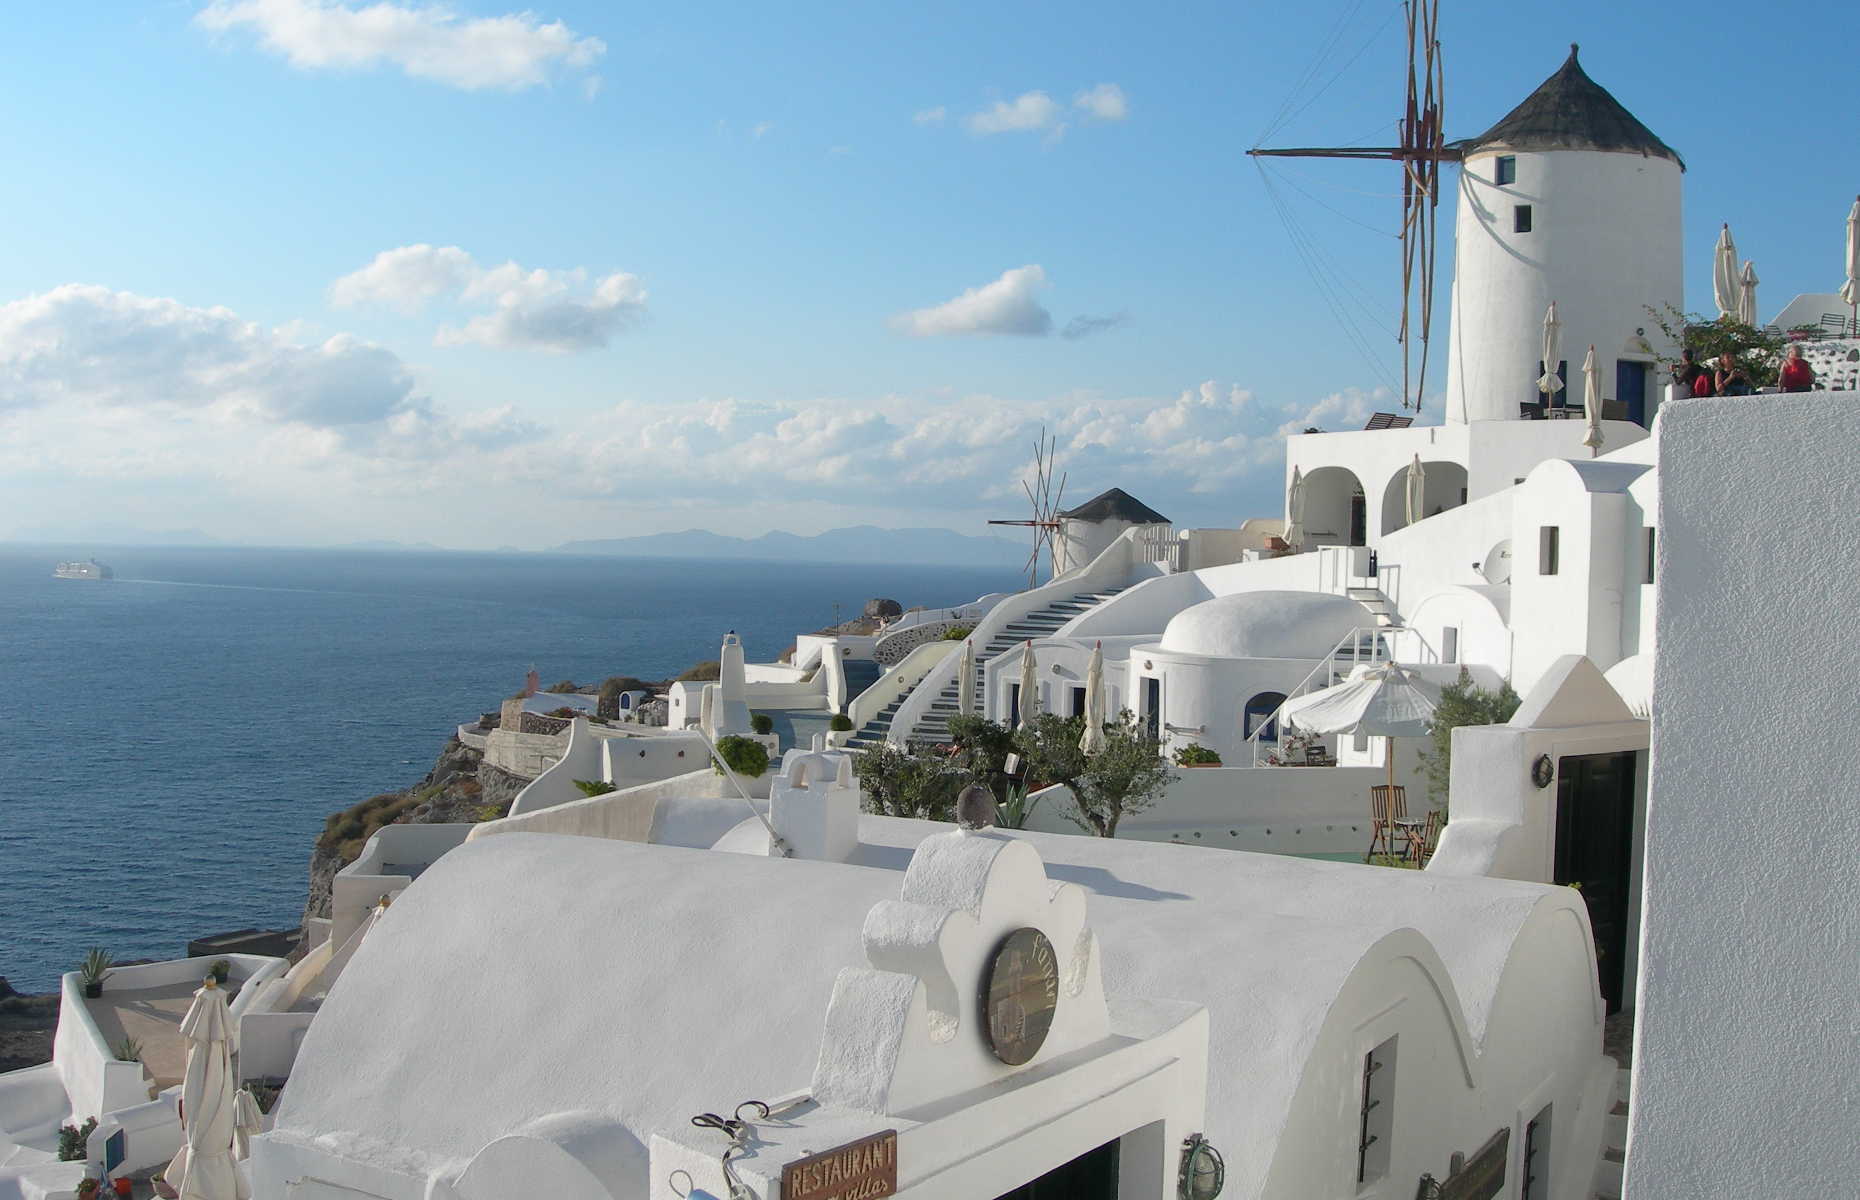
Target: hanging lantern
<point x="1203" y="1173"/>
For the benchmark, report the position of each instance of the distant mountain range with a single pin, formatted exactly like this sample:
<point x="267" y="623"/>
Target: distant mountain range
<point x="859" y="543"/>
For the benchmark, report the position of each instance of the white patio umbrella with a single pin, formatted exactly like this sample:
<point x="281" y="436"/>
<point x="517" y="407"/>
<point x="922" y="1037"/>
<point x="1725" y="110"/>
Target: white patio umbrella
<point x="1417" y="489"/>
<point x="1029" y="687"/>
<point x="1592" y="403"/>
<point x="1092" y="740"/>
<point x="1747" y="294"/>
<point x="965" y="680"/>
<point x="203" y="1170"/>
<point x="248" y="1123"/>
<point x="1381" y="701"/>
<point x="1850" y="290"/>
<point x="1550" y="383"/>
<point x="1295" y="506"/>
<point x="1724" y="287"/>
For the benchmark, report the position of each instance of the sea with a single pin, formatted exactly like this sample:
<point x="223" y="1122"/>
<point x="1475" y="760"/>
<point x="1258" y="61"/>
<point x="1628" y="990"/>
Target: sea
<point x="171" y="740"/>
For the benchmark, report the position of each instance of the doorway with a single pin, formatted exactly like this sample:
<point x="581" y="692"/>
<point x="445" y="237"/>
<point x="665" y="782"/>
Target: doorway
<point x="1359" y="518"/>
<point x="1090" y="1176"/>
<point x="1152" y="705"/>
<point x="1631" y="389"/>
<point x="1594" y="850"/>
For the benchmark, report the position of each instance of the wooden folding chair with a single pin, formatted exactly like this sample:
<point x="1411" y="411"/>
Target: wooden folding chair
<point x="1388" y="810"/>
<point x="1422" y="837"/>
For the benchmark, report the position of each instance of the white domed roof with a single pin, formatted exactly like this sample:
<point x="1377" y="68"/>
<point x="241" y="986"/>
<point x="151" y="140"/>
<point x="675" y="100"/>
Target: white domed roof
<point x="1264" y="625"/>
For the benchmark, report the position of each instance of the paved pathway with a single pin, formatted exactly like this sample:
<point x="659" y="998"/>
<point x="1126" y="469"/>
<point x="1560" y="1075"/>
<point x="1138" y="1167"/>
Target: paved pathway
<point x="153" y="1017"/>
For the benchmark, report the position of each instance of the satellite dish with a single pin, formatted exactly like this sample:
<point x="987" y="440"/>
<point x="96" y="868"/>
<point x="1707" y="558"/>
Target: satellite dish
<point x="1497" y="565"/>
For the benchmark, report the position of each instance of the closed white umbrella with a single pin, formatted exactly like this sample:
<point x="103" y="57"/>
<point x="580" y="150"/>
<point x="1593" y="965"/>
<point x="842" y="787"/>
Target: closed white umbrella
<point x="1850" y="290"/>
<point x="1747" y="294"/>
<point x="1724" y="287"/>
<point x="1383" y="701"/>
<point x="248" y="1123"/>
<point x="1550" y="383"/>
<point x="1592" y="403"/>
<point x="1295" y="508"/>
<point x="1029" y="687"/>
<point x="965" y="680"/>
<point x="203" y="1170"/>
<point x="1092" y="740"/>
<point x="1417" y="489"/>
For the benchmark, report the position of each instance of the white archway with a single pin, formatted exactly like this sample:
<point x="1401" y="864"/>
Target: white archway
<point x="1443" y="487"/>
<point x="1335" y="508"/>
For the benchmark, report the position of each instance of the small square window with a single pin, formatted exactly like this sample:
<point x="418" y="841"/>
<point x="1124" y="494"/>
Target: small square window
<point x="1521" y="219"/>
<point x="1548" y="537"/>
<point x="1506" y="170"/>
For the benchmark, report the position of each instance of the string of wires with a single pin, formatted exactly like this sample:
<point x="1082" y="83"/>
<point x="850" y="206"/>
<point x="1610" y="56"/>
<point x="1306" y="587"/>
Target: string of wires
<point x="1296" y="102"/>
<point x="1338" y="291"/>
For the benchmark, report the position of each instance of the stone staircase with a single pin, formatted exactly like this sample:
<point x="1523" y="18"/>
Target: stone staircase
<point x="1607" y="1183"/>
<point x="1378" y="604"/>
<point x="934" y="727"/>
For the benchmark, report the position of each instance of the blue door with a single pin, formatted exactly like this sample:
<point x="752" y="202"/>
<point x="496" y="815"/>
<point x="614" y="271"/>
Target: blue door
<point x="1631" y="389"/>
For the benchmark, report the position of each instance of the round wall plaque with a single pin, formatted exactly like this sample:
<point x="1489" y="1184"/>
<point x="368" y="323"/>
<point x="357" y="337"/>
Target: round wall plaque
<point x="1021" y="992"/>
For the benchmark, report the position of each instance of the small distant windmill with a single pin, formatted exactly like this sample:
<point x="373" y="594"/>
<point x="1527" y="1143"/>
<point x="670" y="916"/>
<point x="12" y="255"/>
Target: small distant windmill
<point x="1044" y="498"/>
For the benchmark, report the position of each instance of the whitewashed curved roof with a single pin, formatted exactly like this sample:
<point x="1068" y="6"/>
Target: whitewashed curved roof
<point x="1264" y="625"/>
<point x="525" y="976"/>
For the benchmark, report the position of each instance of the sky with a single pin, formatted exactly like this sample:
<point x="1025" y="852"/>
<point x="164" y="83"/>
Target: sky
<point x="324" y="271"/>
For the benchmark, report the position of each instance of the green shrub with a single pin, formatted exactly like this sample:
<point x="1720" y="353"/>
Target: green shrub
<point x="840" y="723"/>
<point x="127" y="1050"/>
<point x="1461" y="703"/>
<point x="71" y="1139"/>
<point x="1193" y="753"/>
<point x="560" y="686"/>
<point x="957" y="633"/>
<point x="96" y="966"/>
<point x="594" y="787"/>
<point x="221" y="970"/>
<point x="745" y="756"/>
<point x="762" y="723"/>
<point x="613" y="685"/>
<point x="704" y="672"/>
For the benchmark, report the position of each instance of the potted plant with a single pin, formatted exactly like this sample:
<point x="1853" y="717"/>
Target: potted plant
<point x="762" y="723"/>
<point x="841" y="723"/>
<point x="127" y="1050"/>
<point x="124" y="1188"/>
<point x="220" y="969"/>
<point x="1196" y="755"/>
<point x="87" y="1189"/>
<point x="94" y="970"/>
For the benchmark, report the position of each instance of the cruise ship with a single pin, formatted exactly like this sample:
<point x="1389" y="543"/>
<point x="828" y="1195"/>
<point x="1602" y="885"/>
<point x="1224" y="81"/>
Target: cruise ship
<point x="88" y="569"/>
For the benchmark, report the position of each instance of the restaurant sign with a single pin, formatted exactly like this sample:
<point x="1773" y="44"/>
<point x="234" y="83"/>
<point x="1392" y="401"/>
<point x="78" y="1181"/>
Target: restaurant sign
<point x="863" y="1170"/>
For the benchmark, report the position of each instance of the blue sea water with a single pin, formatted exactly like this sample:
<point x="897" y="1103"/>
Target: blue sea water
<point x="171" y="740"/>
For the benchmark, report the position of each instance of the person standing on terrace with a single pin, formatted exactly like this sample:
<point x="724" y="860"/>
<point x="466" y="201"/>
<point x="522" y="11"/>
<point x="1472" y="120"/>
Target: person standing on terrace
<point x="1796" y="375"/>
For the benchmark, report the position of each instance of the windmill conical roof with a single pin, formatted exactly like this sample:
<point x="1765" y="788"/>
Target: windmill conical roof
<point x="1570" y="111"/>
<point x="1115" y="505"/>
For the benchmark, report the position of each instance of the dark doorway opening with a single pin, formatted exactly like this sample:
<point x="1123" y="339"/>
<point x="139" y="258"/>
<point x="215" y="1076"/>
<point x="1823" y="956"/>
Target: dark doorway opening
<point x="1594" y="848"/>
<point x="1090" y="1176"/>
<point x="1631" y="389"/>
<point x="1359" y="519"/>
<point x="1152" y="706"/>
<point x="1013" y="717"/>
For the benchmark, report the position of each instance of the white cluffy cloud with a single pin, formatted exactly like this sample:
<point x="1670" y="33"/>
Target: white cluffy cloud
<point x="1029" y="112"/>
<point x="531" y="309"/>
<point x="1008" y="305"/>
<point x="1037" y="112"/>
<point x="427" y="41"/>
<point x="118" y="350"/>
<point x="1105" y="102"/>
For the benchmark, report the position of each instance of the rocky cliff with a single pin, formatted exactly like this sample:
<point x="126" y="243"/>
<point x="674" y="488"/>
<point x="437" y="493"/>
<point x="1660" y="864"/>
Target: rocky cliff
<point x="461" y="787"/>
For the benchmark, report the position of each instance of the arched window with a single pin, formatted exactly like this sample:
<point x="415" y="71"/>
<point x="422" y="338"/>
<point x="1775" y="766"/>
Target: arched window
<point x="1258" y="715"/>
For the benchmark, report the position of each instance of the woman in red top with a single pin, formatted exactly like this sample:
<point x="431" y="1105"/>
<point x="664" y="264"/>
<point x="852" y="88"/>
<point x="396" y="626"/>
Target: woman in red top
<point x="1796" y="374"/>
